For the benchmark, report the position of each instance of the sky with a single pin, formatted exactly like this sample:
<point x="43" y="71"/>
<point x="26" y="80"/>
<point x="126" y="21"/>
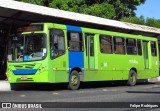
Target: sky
<point x="151" y="9"/>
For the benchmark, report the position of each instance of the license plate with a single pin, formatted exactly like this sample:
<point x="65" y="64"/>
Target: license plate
<point x="23" y="78"/>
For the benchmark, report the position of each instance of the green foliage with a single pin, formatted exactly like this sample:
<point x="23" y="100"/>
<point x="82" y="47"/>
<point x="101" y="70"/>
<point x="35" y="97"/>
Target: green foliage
<point x="104" y="9"/>
<point x="68" y="5"/>
<point x="113" y="9"/>
<point x="153" y="22"/>
<point x="135" y="20"/>
<point x="140" y="20"/>
<point x="125" y="8"/>
<point x="38" y="2"/>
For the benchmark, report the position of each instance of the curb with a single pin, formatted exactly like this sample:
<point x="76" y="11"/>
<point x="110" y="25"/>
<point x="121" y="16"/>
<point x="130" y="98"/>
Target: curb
<point x="5" y="86"/>
<point x="157" y="79"/>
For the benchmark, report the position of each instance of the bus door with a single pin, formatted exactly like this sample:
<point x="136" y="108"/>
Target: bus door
<point x="90" y="52"/>
<point x="145" y="54"/>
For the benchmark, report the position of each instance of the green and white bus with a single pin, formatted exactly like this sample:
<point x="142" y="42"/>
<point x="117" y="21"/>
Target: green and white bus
<point x="56" y="53"/>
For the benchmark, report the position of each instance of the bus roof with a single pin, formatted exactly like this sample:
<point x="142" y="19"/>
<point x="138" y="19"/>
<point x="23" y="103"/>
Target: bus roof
<point x="24" y="13"/>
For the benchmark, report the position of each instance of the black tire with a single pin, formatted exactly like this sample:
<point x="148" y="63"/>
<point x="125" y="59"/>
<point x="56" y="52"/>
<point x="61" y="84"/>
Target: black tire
<point x="74" y="80"/>
<point x="132" y="78"/>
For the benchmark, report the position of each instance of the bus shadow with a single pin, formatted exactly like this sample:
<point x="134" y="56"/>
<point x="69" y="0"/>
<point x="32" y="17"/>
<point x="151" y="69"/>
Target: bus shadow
<point x="38" y="87"/>
<point x="88" y="85"/>
<point x="146" y="92"/>
<point x="63" y="86"/>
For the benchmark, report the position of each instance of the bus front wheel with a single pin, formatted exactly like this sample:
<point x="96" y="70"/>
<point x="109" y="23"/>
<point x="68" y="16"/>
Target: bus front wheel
<point x="132" y="79"/>
<point x="74" y="80"/>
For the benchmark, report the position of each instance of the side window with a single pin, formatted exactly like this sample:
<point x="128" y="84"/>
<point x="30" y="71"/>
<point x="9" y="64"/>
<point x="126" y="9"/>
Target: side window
<point x="119" y="46"/>
<point x="106" y="44"/>
<point x="75" y="41"/>
<point x="139" y="47"/>
<point x="131" y="46"/>
<point x="57" y="44"/>
<point x="153" y="49"/>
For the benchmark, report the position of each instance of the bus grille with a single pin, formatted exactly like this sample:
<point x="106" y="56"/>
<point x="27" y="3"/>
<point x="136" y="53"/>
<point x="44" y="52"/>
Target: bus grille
<point x="24" y="66"/>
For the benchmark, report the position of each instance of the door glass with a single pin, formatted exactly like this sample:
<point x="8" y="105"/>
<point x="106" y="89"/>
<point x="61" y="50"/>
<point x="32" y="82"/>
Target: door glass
<point x="90" y="50"/>
<point x="145" y="54"/>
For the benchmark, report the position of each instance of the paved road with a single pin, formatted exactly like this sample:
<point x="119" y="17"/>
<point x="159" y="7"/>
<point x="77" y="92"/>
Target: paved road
<point x="90" y="92"/>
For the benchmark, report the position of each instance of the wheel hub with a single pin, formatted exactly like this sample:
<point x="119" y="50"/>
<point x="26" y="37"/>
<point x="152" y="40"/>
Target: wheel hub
<point x="74" y="80"/>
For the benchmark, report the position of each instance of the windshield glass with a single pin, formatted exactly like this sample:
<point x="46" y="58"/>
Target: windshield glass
<point x="30" y="47"/>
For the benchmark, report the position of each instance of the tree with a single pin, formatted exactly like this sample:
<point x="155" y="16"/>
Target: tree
<point x="140" y="20"/>
<point x="125" y="8"/>
<point x="103" y="9"/>
<point x="135" y="20"/>
<point x="68" y="5"/>
<point x="38" y="2"/>
<point x="153" y="22"/>
<point x="115" y="9"/>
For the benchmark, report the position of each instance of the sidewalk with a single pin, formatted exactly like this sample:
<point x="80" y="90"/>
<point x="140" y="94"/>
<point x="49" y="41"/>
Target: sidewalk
<point x="157" y="79"/>
<point x="4" y="85"/>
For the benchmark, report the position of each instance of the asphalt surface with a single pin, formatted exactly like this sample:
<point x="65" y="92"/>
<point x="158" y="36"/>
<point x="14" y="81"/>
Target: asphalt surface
<point x="89" y="92"/>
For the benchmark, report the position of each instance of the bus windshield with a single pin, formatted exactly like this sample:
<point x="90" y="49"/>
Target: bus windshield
<point x="29" y="47"/>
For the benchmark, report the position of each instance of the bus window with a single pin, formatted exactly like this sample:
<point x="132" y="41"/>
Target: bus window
<point x="119" y="46"/>
<point x="75" y="41"/>
<point x="131" y="46"/>
<point x="153" y="49"/>
<point x="139" y="47"/>
<point x="106" y="44"/>
<point x="57" y="47"/>
<point x="27" y="47"/>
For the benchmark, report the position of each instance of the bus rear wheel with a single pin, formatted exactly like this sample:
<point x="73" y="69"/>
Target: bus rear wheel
<point x="74" y="80"/>
<point x="132" y="79"/>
